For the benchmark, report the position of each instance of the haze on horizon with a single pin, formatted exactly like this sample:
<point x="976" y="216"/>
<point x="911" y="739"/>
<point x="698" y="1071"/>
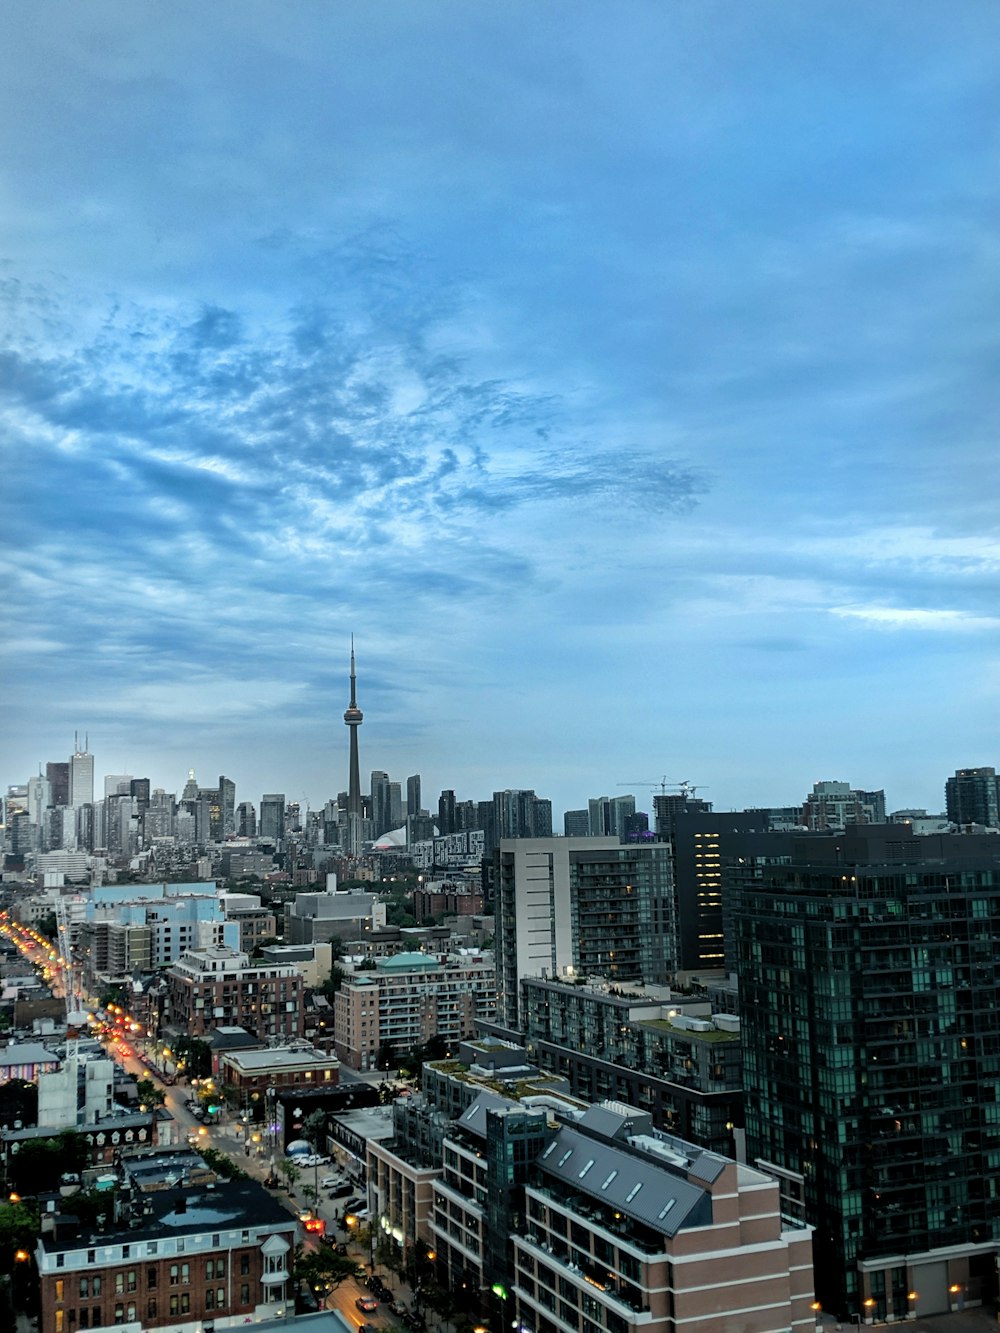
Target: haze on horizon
<point x="622" y="377"/>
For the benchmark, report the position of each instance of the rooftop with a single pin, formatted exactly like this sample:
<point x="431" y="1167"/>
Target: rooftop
<point x="225" y="1204"/>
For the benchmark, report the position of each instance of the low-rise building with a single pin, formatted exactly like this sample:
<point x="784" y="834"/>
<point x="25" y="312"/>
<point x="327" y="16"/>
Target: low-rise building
<point x="296" y="1066"/>
<point x="180" y="1258"/>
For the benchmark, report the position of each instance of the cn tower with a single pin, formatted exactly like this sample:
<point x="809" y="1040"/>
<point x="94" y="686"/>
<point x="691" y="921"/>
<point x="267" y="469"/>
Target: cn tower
<point x="353" y="718"/>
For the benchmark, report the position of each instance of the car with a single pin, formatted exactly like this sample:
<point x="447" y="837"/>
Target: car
<point x="397" y="1307"/>
<point x="367" y="1304"/>
<point x="305" y="1214"/>
<point x="330" y="1182"/>
<point x="341" y="1191"/>
<point x="315" y="1225"/>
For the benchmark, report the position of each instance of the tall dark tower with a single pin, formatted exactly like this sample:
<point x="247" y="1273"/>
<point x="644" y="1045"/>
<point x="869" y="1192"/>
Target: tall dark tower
<point x="353" y="718"/>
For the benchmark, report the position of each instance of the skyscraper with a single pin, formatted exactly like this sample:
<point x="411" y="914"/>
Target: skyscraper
<point x="81" y="775"/>
<point x="869" y="990"/>
<point x="58" y="776"/>
<point x="272" y="816"/>
<point x="971" y="797"/>
<point x="413" y="795"/>
<point x="581" y="907"/>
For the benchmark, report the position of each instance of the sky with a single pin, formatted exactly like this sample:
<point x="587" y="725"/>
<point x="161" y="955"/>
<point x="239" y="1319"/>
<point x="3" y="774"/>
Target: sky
<point x="623" y="377"/>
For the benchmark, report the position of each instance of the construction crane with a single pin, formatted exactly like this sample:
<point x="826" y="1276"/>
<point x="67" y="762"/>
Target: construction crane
<point x="652" y="783"/>
<point x="684" y="786"/>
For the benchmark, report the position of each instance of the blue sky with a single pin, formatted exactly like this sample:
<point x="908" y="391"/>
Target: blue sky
<point x="624" y="377"/>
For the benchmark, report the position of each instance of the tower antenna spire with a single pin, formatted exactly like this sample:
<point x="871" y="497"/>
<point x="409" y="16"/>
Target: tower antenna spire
<point x="353" y="719"/>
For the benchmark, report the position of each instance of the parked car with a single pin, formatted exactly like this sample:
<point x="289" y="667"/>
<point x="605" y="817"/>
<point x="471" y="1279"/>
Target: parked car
<point x="330" y="1182"/>
<point x="397" y="1307"/>
<point x="341" y="1191"/>
<point x="367" y="1304"/>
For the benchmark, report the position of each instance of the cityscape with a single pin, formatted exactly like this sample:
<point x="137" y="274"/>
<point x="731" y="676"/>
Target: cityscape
<point x="499" y="776"/>
<point x="771" y="1034"/>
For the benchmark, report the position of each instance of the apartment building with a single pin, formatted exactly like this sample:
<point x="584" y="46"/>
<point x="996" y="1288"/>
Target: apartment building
<point x="402" y="1001"/>
<point x="216" y="987"/>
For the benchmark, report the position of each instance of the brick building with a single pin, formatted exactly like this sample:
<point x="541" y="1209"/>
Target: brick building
<point x="184" y="1258"/>
<point x="216" y="987"/>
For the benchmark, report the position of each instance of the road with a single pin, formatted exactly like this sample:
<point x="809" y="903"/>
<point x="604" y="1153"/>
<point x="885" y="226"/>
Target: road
<point x="228" y="1137"/>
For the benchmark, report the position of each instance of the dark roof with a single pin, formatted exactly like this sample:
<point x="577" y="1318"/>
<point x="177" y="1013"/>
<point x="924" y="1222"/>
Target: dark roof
<point x="633" y="1185"/>
<point x="225" y="1205"/>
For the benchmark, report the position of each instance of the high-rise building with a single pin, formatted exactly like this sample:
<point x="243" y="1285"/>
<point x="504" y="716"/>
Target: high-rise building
<point x="58" y="776"/>
<point x="227" y="803"/>
<point x="837" y="805"/>
<point x="380" y="802"/>
<point x="117" y="784"/>
<point x="446" y="812"/>
<point x="581" y="907"/>
<point x="869" y="992"/>
<point x="272" y="816"/>
<point x="972" y="796"/>
<point x="608" y="815"/>
<point x="246" y="820"/>
<point x="668" y="805"/>
<point x="81" y="776"/>
<point x="413" y="795"/>
<point x="576" y="823"/>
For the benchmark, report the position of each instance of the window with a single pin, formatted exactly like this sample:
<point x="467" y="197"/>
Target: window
<point x="209" y="1299"/>
<point x="244" y="1264"/>
<point x="95" y="1285"/>
<point x="130" y="1312"/>
<point x="151" y="1308"/>
<point x="60" y="1315"/>
<point x="119" y="1314"/>
<point x="175" y="1273"/>
<point x="60" y="1284"/>
<point x="85" y="1317"/>
<point x="84" y="1288"/>
<point x="220" y="1297"/>
<point x="152" y="1277"/>
<point x="244" y="1293"/>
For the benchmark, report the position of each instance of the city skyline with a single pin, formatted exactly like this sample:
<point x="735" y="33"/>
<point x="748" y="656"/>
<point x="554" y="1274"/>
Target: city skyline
<point x="619" y="380"/>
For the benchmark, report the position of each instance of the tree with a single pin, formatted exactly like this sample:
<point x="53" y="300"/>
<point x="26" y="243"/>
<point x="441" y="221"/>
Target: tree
<point x="194" y="1054"/>
<point x="323" y="1267"/>
<point x="223" y="1165"/>
<point x="18" y="1231"/>
<point x="290" y="1171"/>
<point x="314" y="1129"/>
<point x="149" y="1093"/>
<point x="40" y="1164"/>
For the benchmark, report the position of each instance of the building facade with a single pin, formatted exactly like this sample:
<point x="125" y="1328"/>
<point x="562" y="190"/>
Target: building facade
<point x="209" y="988"/>
<point x="185" y="1259"/>
<point x="582" y="906"/>
<point x="402" y="1001"/>
<point x="869" y="994"/>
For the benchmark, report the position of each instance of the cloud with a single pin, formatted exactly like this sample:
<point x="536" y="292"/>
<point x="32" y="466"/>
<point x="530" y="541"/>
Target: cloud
<point x="917" y="618"/>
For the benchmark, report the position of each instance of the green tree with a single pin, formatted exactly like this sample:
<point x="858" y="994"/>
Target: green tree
<point x="40" y="1164"/>
<point x="194" y="1054"/>
<point x="314" y="1129"/>
<point x="149" y="1093"/>
<point x="323" y="1268"/>
<point x="18" y="1231"/>
<point x="223" y="1165"/>
<point x="290" y="1171"/>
